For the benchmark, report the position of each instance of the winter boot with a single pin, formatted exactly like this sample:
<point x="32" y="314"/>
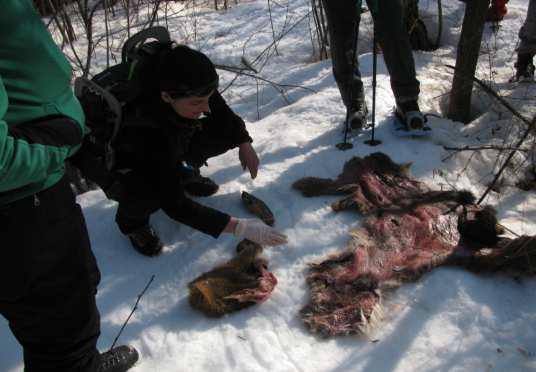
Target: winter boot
<point x="145" y="241"/>
<point x="410" y="115"/>
<point x="118" y="359"/>
<point x="357" y="114"/>
<point x="197" y="185"/>
<point x="524" y="68"/>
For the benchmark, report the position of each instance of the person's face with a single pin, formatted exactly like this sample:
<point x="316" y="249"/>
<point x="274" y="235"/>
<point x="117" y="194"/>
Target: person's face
<point x="188" y="107"/>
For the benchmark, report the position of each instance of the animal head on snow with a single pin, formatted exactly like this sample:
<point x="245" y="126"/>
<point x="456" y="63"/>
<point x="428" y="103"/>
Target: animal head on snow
<point x="239" y="283"/>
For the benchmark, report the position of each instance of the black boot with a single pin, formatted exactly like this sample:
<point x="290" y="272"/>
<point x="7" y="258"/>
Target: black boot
<point x="524" y="68"/>
<point x="357" y="114"/>
<point x="145" y="241"/>
<point x="118" y="359"/>
<point x="197" y="185"/>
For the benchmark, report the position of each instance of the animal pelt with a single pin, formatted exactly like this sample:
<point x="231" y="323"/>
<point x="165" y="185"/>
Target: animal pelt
<point x="239" y="283"/>
<point x="408" y="230"/>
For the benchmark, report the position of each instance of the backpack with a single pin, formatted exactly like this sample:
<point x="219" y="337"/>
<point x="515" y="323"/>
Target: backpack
<point x="105" y="97"/>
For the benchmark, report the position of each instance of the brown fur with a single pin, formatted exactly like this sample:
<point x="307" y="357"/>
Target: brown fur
<point x="408" y="230"/>
<point x="237" y="284"/>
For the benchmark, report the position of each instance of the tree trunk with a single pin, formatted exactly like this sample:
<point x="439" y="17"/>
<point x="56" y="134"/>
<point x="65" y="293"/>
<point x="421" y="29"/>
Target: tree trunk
<point x="418" y="34"/>
<point x="466" y="60"/>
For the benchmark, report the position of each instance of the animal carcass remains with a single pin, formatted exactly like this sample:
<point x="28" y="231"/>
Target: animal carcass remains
<point x="407" y="231"/>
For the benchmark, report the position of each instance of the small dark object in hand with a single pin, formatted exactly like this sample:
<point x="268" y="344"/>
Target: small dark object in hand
<point x="258" y="208"/>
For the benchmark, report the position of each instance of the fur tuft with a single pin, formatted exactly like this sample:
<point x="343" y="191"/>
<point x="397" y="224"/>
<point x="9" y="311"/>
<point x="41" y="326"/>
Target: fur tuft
<point x="465" y="197"/>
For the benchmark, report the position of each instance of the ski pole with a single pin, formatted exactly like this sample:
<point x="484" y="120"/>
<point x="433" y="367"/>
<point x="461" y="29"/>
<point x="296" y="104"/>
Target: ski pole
<point x="373" y="141"/>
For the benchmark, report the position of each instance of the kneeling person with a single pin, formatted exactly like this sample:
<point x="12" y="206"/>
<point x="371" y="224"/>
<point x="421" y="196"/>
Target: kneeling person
<point x="185" y="122"/>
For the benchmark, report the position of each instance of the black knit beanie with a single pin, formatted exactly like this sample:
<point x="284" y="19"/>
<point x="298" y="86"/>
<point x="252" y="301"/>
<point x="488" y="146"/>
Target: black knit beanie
<point x="185" y="72"/>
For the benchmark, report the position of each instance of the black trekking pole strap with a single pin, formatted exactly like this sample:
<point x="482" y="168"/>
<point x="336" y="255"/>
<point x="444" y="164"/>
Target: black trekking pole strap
<point x="345" y="145"/>
<point x="372" y="141"/>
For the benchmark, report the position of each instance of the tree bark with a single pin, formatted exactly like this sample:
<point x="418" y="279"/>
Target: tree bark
<point x="466" y="60"/>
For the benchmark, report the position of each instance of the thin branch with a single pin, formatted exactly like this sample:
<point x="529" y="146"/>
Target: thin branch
<point x="281" y="37"/>
<point x="272" y="25"/>
<point x="62" y="31"/>
<point x="509" y="158"/>
<point x="240" y="70"/>
<point x="488" y="147"/>
<point x="132" y="312"/>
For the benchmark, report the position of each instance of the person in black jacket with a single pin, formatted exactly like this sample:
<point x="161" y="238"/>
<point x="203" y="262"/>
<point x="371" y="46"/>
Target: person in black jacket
<point x="163" y="153"/>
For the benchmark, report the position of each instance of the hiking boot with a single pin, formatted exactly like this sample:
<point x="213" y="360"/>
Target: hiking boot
<point x="524" y="68"/>
<point x="197" y="185"/>
<point x="118" y="359"/>
<point x="145" y="241"/>
<point x="357" y="115"/>
<point x="410" y="115"/>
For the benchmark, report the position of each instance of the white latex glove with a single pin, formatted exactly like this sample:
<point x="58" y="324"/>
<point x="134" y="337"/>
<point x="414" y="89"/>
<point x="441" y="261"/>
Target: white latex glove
<point x="257" y="231"/>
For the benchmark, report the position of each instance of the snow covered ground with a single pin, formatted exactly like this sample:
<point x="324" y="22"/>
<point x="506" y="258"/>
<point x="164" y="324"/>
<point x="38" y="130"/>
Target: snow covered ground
<point x="451" y="320"/>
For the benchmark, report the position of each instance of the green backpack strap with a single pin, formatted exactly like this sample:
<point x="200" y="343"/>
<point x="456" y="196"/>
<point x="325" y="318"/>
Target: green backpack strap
<point x="159" y="33"/>
<point x="82" y="87"/>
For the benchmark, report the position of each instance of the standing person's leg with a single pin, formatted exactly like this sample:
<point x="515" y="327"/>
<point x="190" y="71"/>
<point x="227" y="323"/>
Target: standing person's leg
<point x="527" y="33"/>
<point x="343" y="17"/>
<point x="527" y="45"/>
<point x="396" y="48"/>
<point x="48" y="281"/>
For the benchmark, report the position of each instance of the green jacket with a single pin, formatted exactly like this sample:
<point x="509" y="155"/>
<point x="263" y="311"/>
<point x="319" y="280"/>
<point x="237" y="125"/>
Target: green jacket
<point x="41" y="121"/>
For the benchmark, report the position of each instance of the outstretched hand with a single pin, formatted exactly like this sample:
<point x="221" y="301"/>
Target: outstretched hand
<point x="248" y="158"/>
<point x="257" y="231"/>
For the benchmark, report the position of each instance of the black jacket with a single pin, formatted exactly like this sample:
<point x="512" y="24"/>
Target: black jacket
<point x="157" y="142"/>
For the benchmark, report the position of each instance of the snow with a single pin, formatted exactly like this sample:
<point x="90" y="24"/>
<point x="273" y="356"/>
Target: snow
<point x="449" y="320"/>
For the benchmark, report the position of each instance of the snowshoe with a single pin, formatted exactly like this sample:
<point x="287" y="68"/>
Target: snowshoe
<point x="118" y="359"/>
<point x="410" y="124"/>
<point x="357" y="115"/>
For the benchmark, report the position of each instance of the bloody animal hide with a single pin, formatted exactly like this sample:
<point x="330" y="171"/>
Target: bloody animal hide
<point x="239" y="283"/>
<point x="407" y="231"/>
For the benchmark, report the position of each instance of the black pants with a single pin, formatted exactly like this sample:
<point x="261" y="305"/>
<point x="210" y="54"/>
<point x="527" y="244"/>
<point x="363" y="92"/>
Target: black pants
<point x="138" y="203"/>
<point x="48" y="281"/>
<point x="343" y="16"/>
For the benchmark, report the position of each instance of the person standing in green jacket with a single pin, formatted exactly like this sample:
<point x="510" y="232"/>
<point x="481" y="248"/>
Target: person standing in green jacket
<point x="48" y="274"/>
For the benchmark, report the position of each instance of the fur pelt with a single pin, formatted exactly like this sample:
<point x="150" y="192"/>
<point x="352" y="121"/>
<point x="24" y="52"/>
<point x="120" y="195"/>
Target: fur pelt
<point x="408" y="230"/>
<point x="239" y="283"/>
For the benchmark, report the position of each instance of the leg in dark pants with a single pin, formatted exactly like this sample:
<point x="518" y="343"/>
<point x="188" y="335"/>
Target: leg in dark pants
<point x="207" y="143"/>
<point x="137" y="204"/>
<point x="394" y="40"/>
<point x="48" y="281"/>
<point x="342" y="16"/>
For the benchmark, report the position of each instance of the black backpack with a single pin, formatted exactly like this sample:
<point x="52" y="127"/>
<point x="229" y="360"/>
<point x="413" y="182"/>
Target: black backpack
<point x="105" y="97"/>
